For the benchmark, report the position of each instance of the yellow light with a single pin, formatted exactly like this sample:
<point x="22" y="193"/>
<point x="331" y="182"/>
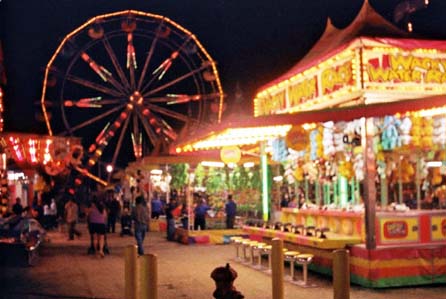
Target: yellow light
<point x="430" y="112"/>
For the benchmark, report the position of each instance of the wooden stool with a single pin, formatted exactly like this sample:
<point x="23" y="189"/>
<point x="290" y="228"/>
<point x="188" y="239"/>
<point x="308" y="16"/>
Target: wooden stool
<point x="290" y="256"/>
<point x="304" y="259"/>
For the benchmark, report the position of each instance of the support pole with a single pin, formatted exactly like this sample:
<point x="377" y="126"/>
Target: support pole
<point x="277" y="268"/>
<point x="341" y="274"/>
<point x="369" y="182"/>
<point x="265" y="189"/>
<point x="149" y="277"/>
<point x="130" y="269"/>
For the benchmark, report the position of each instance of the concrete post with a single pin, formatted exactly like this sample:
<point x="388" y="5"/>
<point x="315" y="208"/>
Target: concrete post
<point x="149" y="276"/>
<point x="341" y="274"/>
<point x="277" y="268"/>
<point x="130" y="275"/>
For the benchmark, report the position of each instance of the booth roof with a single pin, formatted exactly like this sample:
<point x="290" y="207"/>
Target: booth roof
<point x="316" y="116"/>
<point x="368" y="23"/>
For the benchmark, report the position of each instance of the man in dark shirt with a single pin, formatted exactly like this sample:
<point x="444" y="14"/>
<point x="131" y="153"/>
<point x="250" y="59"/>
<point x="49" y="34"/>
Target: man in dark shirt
<point x="17" y="208"/>
<point x="231" y="210"/>
<point x="200" y="214"/>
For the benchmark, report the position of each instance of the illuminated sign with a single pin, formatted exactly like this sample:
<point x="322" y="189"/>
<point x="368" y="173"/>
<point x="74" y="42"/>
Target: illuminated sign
<point x="398" y="70"/>
<point x="315" y="86"/>
<point x="374" y="70"/>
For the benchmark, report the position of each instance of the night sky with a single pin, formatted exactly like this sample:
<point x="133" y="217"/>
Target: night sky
<point x="253" y="41"/>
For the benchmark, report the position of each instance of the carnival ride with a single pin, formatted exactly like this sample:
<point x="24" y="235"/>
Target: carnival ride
<point x="129" y="80"/>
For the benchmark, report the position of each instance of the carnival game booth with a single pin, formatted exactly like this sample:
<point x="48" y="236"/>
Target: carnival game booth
<point x="366" y="113"/>
<point x="375" y="148"/>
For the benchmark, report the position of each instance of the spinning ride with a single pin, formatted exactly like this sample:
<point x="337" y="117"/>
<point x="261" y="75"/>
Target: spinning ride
<point x="129" y="80"/>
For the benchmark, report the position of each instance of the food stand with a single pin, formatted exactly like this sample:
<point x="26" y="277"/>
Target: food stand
<point x="368" y="116"/>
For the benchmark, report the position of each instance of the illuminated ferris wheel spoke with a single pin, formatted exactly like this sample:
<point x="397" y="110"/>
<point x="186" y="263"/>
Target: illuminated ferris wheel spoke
<point x="95" y="119"/>
<point x="173" y="82"/>
<point x="147" y="128"/>
<point x="102" y="72"/>
<point x="104" y="137"/>
<point x="115" y="62"/>
<point x="131" y="53"/>
<point x="84" y="103"/>
<point x="168" y="131"/>
<point x="94" y="86"/>
<point x="119" y="144"/>
<point x="161" y="70"/>
<point x="169" y="113"/>
<point x="149" y="55"/>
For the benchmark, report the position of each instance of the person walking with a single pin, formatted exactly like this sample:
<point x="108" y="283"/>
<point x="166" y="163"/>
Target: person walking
<point x="97" y="219"/>
<point x="231" y="210"/>
<point x="71" y="217"/>
<point x="141" y="217"/>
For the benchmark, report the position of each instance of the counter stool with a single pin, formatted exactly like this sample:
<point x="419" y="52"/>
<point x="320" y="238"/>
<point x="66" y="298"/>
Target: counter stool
<point x="237" y="241"/>
<point x="290" y="256"/>
<point x="246" y="244"/>
<point x="304" y="259"/>
<point x="255" y="251"/>
<point x="265" y="250"/>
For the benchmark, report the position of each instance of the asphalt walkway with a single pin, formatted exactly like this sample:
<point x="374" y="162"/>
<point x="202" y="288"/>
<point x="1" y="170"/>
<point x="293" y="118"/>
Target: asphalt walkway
<point x="65" y="270"/>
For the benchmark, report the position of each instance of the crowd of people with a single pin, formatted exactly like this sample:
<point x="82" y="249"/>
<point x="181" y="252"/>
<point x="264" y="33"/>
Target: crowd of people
<point x="104" y="210"/>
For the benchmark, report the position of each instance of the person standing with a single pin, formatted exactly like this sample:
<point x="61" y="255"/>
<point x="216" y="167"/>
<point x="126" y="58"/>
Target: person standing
<point x="71" y="217"/>
<point x="231" y="210"/>
<point x="141" y="217"/>
<point x="53" y="213"/>
<point x="17" y="208"/>
<point x="200" y="214"/>
<point x="113" y="209"/>
<point x="170" y="217"/>
<point x="157" y="206"/>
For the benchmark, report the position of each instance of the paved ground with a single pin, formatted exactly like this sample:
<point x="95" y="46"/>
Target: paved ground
<point x="64" y="270"/>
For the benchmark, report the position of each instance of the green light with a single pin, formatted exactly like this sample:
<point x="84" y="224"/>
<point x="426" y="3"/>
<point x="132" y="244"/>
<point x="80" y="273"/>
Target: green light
<point x="343" y="191"/>
<point x="265" y="193"/>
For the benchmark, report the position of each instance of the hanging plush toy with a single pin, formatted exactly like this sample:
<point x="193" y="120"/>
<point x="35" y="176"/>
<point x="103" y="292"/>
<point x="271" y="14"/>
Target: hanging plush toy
<point x="390" y="138"/>
<point x="405" y="127"/>
<point x="328" y="139"/>
<point x="358" y="166"/>
<point x="439" y="132"/>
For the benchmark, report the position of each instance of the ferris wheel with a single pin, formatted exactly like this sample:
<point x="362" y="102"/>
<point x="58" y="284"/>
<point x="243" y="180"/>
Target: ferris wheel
<point x="129" y="83"/>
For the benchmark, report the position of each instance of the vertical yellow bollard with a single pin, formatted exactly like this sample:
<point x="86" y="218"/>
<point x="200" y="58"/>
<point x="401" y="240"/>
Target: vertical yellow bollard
<point x="277" y="268"/>
<point x="341" y="274"/>
<point x="149" y="277"/>
<point x="130" y="275"/>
